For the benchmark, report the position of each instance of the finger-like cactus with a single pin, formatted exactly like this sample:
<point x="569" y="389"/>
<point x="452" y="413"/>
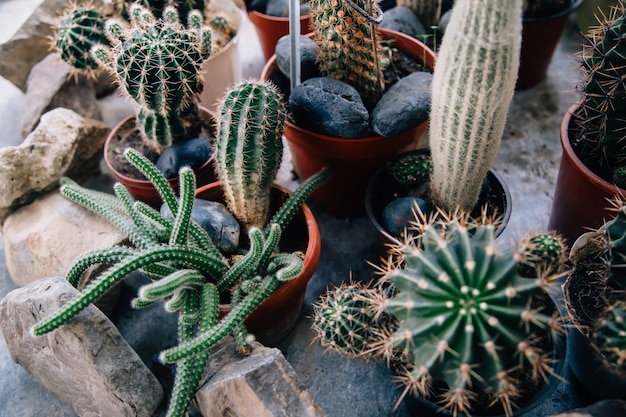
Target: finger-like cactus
<point x="479" y="56"/>
<point x="249" y="148"/>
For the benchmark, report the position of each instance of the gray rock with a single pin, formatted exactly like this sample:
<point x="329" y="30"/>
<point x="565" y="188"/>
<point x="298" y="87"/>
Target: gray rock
<point x="64" y="144"/>
<point x="404" y="106"/>
<point x="279" y="8"/>
<point x="86" y="362"/>
<point x="50" y="85"/>
<point x="219" y="223"/>
<point x="308" y="57"/>
<point x="605" y="408"/>
<point x="262" y="384"/>
<point x="44" y="238"/>
<point x="403" y="20"/>
<point x="330" y="107"/>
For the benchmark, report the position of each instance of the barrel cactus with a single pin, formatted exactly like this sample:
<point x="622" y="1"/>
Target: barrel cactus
<point x="479" y="55"/>
<point x="600" y="142"/>
<point x="542" y="254"/>
<point x="346" y="35"/>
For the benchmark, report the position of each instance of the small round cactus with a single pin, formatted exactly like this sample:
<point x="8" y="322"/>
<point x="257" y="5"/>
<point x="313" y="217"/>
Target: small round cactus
<point x="611" y="335"/>
<point x="541" y="254"/>
<point x="412" y="168"/>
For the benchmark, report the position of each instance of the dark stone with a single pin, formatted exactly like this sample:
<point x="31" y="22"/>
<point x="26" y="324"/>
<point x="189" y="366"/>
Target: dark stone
<point x="604" y="408"/>
<point x="404" y="106"/>
<point x="398" y="214"/>
<point x="278" y="8"/>
<point x="330" y="107"/>
<point x="308" y="57"/>
<point x="403" y="20"/>
<point x="257" y="6"/>
<point x="219" y="223"/>
<point x="192" y="153"/>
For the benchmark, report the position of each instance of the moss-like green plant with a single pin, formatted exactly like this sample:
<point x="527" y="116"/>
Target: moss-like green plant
<point x="479" y="55"/>
<point x="349" y="46"/>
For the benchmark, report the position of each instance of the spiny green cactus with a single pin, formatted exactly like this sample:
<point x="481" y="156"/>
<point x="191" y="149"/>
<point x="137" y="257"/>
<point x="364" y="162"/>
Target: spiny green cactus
<point x="349" y="45"/>
<point x="601" y="142"/>
<point x="611" y="335"/>
<point x="80" y="28"/>
<point x="188" y="272"/>
<point x="157" y="7"/>
<point x="479" y="55"/>
<point x="249" y="148"/>
<point x="541" y="254"/>
<point x="411" y="168"/>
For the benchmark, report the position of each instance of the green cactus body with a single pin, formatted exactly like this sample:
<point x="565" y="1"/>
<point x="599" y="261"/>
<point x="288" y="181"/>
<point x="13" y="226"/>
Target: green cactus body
<point x="349" y="45"/>
<point x="611" y="335"/>
<point x="541" y="254"/>
<point x="412" y="168"/>
<point x="249" y="148"/>
<point x="602" y="140"/>
<point x="473" y="84"/>
<point x="466" y="318"/>
<point x="80" y="29"/>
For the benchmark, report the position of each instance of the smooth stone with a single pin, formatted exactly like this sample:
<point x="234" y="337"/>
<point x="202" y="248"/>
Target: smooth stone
<point x="330" y="107"/>
<point x="404" y="106"/>
<point x="308" y="57"/>
<point x="399" y="213"/>
<point x="192" y="153"/>
<point x="404" y="20"/>
<point x="214" y="217"/>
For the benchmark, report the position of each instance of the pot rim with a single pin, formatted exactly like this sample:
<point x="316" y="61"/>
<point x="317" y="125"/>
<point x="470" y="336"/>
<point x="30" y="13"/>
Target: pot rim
<point x="574" y="4"/>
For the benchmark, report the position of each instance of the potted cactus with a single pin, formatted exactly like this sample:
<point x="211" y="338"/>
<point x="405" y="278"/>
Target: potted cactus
<point x="463" y="330"/>
<point x="191" y="270"/>
<point x="592" y="135"/>
<point x="594" y="295"/>
<point x="351" y="52"/>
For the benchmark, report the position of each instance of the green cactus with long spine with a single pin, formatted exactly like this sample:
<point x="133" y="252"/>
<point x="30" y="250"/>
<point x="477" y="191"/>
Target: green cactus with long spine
<point x="188" y="272"/>
<point x="349" y="45"/>
<point x="600" y="140"/>
<point x="479" y="55"/>
<point x="541" y="254"/>
<point x="249" y="148"/>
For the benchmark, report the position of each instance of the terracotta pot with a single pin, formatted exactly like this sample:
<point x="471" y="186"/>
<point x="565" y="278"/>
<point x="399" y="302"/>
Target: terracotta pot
<point x="581" y="198"/>
<point x="271" y="28"/>
<point x="382" y="189"/>
<point x="142" y="189"/>
<point x="540" y="36"/>
<point x="278" y="314"/>
<point x="352" y="160"/>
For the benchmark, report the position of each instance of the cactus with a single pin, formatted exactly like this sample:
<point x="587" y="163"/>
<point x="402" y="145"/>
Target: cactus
<point x="249" y="148"/>
<point x="428" y="12"/>
<point x="80" y="28"/>
<point x="188" y="272"/>
<point x="414" y="168"/>
<point x="479" y="55"/>
<point x="349" y="45"/>
<point x="601" y="141"/>
<point x="541" y="254"/>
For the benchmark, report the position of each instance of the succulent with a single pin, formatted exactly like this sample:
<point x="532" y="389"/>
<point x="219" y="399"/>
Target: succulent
<point x="188" y="272"/>
<point x="462" y="316"/>
<point x="479" y="54"/>
<point x="413" y="168"/>
<point x="157" y="7"/>
<point x="601" y="140"/>
<point x="541" y="254"/>
<point x="249" y="148"/>
<point x="349" y="45"/>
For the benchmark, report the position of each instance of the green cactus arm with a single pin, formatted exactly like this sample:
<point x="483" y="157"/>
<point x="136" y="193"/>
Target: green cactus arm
<point x="182" y="220"/>
<point x="97" y="256"/>
<point x="246" y="265"/>
<point x="165" y="287"/>
<point x="479" y="55"/>
<point x="287" y="266"/>
<point x="127" y="200"/>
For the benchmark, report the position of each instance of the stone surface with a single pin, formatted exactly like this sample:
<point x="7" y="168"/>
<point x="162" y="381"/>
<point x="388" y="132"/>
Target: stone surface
<point x="64" y="144"/>
<point x="50" y="85"/>
<point x="262" y="384"/>
<point x="86" y="362"/>
<point x="308" y="57"/>
<point x="43" y="238"/>
<point x="605" y="408"/>
<point x="403" y="20"/>
<point x="328" y="106"/>
<point x="404" y="106"/>
<point x="193" y="153"/>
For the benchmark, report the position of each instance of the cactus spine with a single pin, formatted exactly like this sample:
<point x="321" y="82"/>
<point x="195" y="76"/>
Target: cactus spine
<point x="601" y="144"/>
<point x="249" y="148"/>
<point x="479" y="56"/>
<point x="349" y="45"/>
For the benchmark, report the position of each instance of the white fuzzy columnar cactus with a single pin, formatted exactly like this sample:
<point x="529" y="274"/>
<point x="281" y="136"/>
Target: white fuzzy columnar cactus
<point x="473" y="84"/>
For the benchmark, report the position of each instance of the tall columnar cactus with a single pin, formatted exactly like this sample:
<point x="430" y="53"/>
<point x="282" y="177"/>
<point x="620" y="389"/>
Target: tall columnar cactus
<point x="601" y="143"/>
<point x="346" y="35"/>
<point x="80" y="29"/>
<point x="249" y="148"/>
<point x="158" y="64"/>
<point x="473" y="84"/>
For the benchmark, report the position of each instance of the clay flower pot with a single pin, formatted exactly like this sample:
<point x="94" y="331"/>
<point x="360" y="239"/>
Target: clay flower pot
<point x="581" y="198"/>
<point x="279" y="313"/>
<point x="271" y="28"/>
<point x="142" y="189"/>
<point x="352" y="161"/>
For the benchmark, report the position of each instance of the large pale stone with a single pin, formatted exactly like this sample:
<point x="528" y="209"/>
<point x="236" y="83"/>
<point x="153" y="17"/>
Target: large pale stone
<point x="64" y="144"/>
<point x="85" y="362"/>
<point x="43" y="238"/>
<point x="51" y="85"/>
<point x="262" y="384"/>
